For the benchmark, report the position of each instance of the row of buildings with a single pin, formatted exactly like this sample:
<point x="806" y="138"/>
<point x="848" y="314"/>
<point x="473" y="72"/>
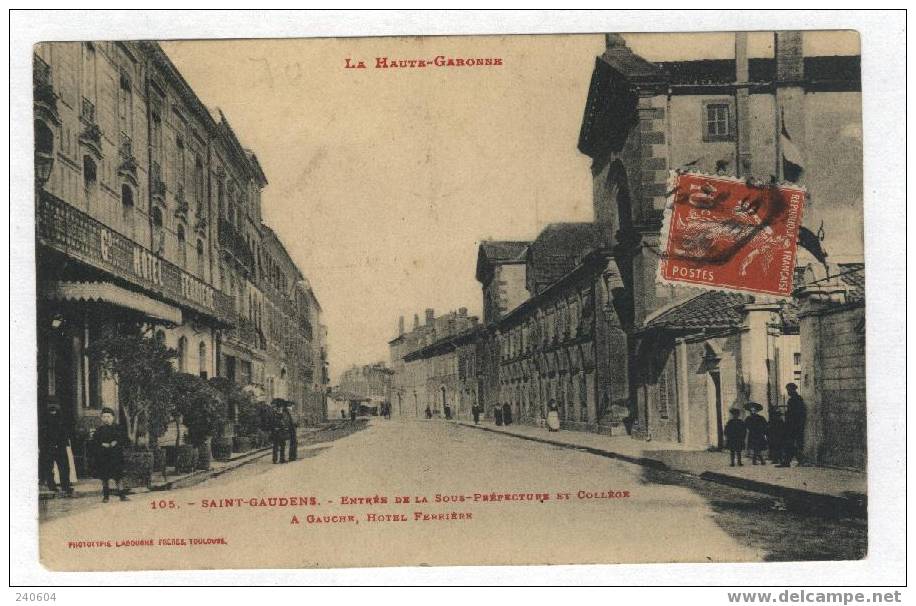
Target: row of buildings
<point x="148" y="209"/>
<point x="577" y="316"/>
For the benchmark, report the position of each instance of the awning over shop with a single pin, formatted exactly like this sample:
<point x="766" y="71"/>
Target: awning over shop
<point x="107" y="292"/>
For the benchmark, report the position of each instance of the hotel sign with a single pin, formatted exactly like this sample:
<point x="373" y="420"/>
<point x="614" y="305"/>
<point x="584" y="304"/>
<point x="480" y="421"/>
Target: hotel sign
<point x="78" y="235"/>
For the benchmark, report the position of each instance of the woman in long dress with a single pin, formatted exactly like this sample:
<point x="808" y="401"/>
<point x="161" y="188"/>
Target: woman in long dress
<point x="553" y="416"/>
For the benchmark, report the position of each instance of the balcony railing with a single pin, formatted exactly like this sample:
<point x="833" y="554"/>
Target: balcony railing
<point x="77" y="235"/>
<point x="233" y="242"/>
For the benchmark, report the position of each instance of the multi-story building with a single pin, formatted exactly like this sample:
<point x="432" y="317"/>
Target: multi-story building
<point x="148" y="210"/>
<point x="434" y="364"/>
<point x="694" y="354"/>
<point x="371" y="381"/>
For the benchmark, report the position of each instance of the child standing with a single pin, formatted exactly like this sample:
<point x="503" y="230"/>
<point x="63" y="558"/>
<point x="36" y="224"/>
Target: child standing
<point x="108" y="444"/>
<point x="735" y="435"/>
<point x="756" y="433"/>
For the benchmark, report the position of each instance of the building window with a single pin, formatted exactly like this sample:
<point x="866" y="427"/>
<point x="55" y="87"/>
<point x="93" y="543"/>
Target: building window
<point x="200" y="259"/>
<point x="719" y="121"/>
<point x="182" y="248"/>
<point x="182" y="354"/>
<point x="202" y="359"/>
<point x="127" y="207"/>
<point x="90" y="178"/>
<point x="125" y="106"/>
<point x="158" y="235"/>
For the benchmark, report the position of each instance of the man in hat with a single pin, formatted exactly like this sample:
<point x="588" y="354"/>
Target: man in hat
<point x="735" y="435"/>
<point x="756" y="433"/>
<point x="107" y="446"/>
<point x="279" y="432"/>
<point x="796" y="414"/>
<point x="53" y="439"/>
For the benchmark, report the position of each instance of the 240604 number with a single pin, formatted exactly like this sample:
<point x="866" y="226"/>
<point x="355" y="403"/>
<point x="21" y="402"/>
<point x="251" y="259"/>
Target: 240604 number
<point x="36" y="597"/>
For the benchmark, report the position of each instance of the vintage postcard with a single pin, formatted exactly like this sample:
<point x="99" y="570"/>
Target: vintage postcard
<point x="450" y="301"/>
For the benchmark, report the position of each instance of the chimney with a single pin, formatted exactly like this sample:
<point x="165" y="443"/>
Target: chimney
<point x="416" y="321"/>
<point x="400" y="326"/>
<point x="430" y="315"/>
<point x="462" y="311"/>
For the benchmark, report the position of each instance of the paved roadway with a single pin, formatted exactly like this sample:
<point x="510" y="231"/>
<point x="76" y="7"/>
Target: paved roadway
<point x="667" y="517"/>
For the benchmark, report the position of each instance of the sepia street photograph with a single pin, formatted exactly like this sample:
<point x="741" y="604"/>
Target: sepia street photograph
<point x="452" y="300"/>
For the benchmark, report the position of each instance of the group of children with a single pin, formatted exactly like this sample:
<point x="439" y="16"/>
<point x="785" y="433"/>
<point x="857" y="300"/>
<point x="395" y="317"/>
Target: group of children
<point x="783" y="438"/>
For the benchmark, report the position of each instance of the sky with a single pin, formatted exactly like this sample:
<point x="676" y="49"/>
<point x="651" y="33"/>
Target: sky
<point x="382" y="182"/>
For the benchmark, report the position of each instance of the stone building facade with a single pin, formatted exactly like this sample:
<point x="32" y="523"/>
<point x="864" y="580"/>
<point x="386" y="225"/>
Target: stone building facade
<point x="433" y="364"/>
<point x="643" y="119"/>
<point x="832" y="331"/>
<point x="148" y="210"/>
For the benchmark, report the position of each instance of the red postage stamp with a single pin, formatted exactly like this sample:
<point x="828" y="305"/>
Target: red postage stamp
<point x="721" y="232"/>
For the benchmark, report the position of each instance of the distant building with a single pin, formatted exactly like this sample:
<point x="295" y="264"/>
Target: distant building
<point x="426" y="365"/>
<point x="371" y="381"/>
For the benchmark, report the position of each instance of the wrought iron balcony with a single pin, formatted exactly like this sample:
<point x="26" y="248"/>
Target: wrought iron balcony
<point x="232" y="242"/>
<point x="43" y="91"/>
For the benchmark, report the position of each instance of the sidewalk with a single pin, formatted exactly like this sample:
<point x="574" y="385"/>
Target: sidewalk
<point x="839" y="489"/>
<point x="90" y="487"/>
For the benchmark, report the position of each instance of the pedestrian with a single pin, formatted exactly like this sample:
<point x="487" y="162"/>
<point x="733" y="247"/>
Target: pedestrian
<point x="507" y="414"/>
<point x="448" y="411"/>
<point x="429" y="412"/>
<point x="107" y="448"/>
<point x="475" y="410"/>
<point x="796" y="415"/>
<point x="735" y="435"/>
<point x="291" y="425"/>
<point x="776" y="436"/>
<point x="756" y="433"/>
<point x="53" y="440"/>
<point x="498" y="414"/>
<point x="279" y="433"/>
<point x="353" y="412"/>
<point x="553" y="416"/>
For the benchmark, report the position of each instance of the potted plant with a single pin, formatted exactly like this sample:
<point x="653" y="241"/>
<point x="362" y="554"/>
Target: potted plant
<point x="202" y="413"/>
<point x="141" y="366"/>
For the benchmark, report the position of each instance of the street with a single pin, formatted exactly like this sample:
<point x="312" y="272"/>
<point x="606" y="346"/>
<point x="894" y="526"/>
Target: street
<point x="615" y="512"/>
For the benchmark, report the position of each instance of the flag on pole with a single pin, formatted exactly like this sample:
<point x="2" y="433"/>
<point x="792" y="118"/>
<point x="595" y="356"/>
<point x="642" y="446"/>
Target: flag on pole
<point x="792" y="163"/>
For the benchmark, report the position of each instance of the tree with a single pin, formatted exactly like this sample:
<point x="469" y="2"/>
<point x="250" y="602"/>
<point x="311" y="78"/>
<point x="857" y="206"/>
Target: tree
<point x="141" y="366"/>
<point x="198" y="406"/>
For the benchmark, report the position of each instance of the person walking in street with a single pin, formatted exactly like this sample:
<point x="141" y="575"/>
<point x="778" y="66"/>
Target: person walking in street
<point x="776" y="436"/>
<point x="475" y="410"/>
<point x="796" y="415"/>
<point x="735" y="436"/>
<point x="107" y="448"/>
<point x="53" y="440"/>
<point x="756" y="433"/>
<point x="429" y="413"/>
<point x="507" y="414"/>
<point x="448" y="411"/>
<point x="553" y="416"/>
<point x="291" y="425"/>
<point x="498" y="414"/>
<point x="279" y="432"/>
<point x="353" y="412"/>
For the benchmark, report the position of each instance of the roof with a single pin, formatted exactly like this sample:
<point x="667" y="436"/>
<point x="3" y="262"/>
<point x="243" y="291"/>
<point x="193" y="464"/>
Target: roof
<point x="558" y="249"/>
<point x="712" y="309"/>
<point x="498" y="252"/>
<point x="851" y="275"/>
